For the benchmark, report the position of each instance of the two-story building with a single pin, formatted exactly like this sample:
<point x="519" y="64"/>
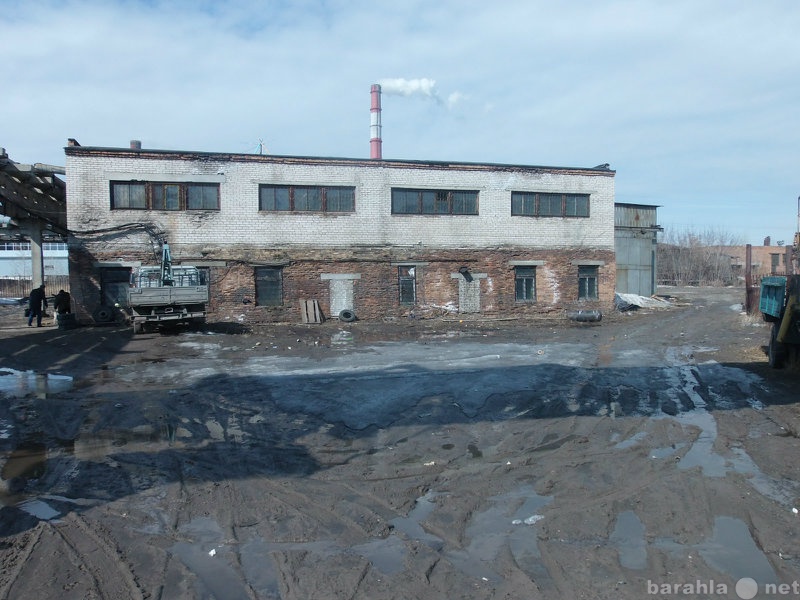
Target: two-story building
<point x="381" y="238"/>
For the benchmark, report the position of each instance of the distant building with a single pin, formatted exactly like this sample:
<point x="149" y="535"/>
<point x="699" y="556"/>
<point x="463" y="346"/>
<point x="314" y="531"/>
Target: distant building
<point x="765" y="260"/>
<point x="15" y="259"/>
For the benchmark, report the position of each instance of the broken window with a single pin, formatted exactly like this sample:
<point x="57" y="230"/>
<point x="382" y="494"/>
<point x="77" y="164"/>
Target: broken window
<point x="540" y="204"/>
<point x="587" y="282"/>
<point x="525" y="284"/>
<point x="269" y="286"/>
<point x="407" y="283"/>
<point x="297" y="198"/>
<point x="153" y="195"/>
<point x="434" y="202"/>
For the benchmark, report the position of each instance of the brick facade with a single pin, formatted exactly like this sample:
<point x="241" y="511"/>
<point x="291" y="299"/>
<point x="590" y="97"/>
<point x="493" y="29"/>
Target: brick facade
<point x="320" y="252"/>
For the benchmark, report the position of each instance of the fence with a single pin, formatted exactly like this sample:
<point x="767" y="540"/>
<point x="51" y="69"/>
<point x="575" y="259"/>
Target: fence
<point x="20" y="287"/>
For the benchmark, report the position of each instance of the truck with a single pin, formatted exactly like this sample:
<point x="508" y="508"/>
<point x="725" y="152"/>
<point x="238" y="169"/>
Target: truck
<point x="166" y="295"/>
<point x="780" y="305"/>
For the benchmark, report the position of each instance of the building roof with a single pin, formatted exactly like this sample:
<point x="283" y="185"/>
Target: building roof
<point x="152" y="154"/>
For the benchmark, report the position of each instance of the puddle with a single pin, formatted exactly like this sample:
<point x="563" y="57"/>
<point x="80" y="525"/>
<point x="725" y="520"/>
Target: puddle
<point x="385" y="555"/>
<point x="665" y="452"/>
<point x="631" y="441"/>
<point x="410" y="525"/>
<point x="730" y="550"/>
<point x="209" y="559"/>
<point x="508" y="522"/>
<point x="19" y="384"/>
<point x="628" y="538"/>
<point x="26" y="462"/>
<point x="39" y="509"/>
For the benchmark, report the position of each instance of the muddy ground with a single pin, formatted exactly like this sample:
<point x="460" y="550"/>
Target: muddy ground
<point x="653" y="454"/>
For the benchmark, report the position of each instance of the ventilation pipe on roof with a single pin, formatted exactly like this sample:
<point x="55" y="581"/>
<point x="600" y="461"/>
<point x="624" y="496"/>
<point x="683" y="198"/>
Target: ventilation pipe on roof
<point x="375" y="123"/>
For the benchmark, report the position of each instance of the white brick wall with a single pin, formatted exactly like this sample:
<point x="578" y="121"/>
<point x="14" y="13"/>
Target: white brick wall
<point x="239" y="222"/>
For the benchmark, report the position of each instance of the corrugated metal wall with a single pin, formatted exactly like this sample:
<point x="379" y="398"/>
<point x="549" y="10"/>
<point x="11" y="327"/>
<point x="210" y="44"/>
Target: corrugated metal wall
<point x="635" y="231"/>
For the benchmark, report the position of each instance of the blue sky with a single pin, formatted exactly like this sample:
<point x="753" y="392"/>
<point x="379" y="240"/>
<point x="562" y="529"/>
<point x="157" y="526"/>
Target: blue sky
<point x="694" y="103"/>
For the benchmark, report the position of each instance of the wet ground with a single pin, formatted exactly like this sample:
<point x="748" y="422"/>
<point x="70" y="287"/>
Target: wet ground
<point x="652" y="454"/>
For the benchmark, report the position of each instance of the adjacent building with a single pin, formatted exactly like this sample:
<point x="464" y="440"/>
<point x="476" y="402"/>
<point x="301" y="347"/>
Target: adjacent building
<point x="636" y="232"/>
<point x="380" y="238"/>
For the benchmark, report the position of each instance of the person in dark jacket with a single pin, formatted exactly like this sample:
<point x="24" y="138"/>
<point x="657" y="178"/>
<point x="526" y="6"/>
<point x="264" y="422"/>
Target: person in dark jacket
<point x="36" y="302"/>
<point x="61" y="304"/>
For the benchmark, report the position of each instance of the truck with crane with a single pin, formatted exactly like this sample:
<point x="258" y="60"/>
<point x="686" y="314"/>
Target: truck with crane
<point x="166" y="295"/>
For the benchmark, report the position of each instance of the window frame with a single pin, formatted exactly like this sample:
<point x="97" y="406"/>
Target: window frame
<point x="273" y="298"/>
<point x="406" y="274"/>
<point x="588" y="282"/>
<point x="550" y="204"/>
<point x="435" y="202"/>
<point x="296" y="198"/>
<point x="152" y="195"/>
<point x="523" y="274"/>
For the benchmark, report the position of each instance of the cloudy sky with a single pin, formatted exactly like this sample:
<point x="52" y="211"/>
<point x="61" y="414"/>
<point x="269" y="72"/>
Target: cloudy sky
<point x="694" y="103"/>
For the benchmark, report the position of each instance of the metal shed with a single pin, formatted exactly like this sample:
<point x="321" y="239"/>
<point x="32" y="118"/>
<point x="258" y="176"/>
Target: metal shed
<point x="635" y="232"/>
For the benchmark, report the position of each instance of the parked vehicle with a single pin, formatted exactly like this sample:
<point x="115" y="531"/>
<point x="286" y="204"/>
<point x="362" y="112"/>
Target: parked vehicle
<point x="780" y="305"/>
<point x="166" y="295"/>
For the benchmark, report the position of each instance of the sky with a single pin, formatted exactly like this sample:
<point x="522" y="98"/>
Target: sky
<point x="694" y="103"/>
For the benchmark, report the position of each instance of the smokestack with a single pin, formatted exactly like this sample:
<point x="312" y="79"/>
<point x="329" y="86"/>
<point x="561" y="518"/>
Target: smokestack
<point x="375" y="123"/>
<point x="136" y="145"/>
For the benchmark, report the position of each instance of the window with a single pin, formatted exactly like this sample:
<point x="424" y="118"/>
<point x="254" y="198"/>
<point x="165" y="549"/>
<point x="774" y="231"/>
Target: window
<point x="128" y="195"/>
<point x="152" y="195"/>
<point x="202" y="197"/>
<point x="434" y="202"/>
<point x="298" y="198"/>
<point x="166" y="196"/>
<point x="269" y="286"/>
<point x="407" y="283"/>
<point x="525" y="284"/>
<point x="587" y="283"/>
<point x="539" y="204"/>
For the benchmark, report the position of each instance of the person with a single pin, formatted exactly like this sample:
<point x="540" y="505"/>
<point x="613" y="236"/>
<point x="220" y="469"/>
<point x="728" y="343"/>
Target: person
<point x="35" y="302"/>
<point x="61" y="304"/>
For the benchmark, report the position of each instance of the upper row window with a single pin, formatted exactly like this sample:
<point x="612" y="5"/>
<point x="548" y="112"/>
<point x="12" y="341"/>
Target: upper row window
<point x="150" y="195"/>
<point x="298" y="198"/>
<point x="536" y="204"/>
<point x="434" y="202"/>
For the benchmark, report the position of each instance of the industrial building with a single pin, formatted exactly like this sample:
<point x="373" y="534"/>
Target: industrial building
<point x="375" y="238"/>
<point x="382" y="238"/>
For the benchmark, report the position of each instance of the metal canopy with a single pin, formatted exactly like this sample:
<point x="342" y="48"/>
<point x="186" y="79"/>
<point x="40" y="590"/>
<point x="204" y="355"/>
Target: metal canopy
<point x="32" y="195"/>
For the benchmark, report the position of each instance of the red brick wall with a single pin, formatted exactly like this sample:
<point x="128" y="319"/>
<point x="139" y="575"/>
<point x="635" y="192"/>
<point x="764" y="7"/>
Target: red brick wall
<point x="233" y="290"/>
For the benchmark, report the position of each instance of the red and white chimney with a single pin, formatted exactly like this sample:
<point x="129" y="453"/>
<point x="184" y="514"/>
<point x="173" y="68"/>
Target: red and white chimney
<point x="375" y="123"/>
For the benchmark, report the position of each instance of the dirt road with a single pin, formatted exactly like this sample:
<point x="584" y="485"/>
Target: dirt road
<point x="653" y="454"/>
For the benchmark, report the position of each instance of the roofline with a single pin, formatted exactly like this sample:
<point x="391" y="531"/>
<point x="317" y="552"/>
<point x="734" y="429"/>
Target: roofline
<point x="637" y="204"/>
<point x="272" y="158"/>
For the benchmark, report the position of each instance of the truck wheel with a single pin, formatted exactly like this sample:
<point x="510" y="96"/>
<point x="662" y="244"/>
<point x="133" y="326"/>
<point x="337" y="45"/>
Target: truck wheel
<point x="776" y="353"/>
